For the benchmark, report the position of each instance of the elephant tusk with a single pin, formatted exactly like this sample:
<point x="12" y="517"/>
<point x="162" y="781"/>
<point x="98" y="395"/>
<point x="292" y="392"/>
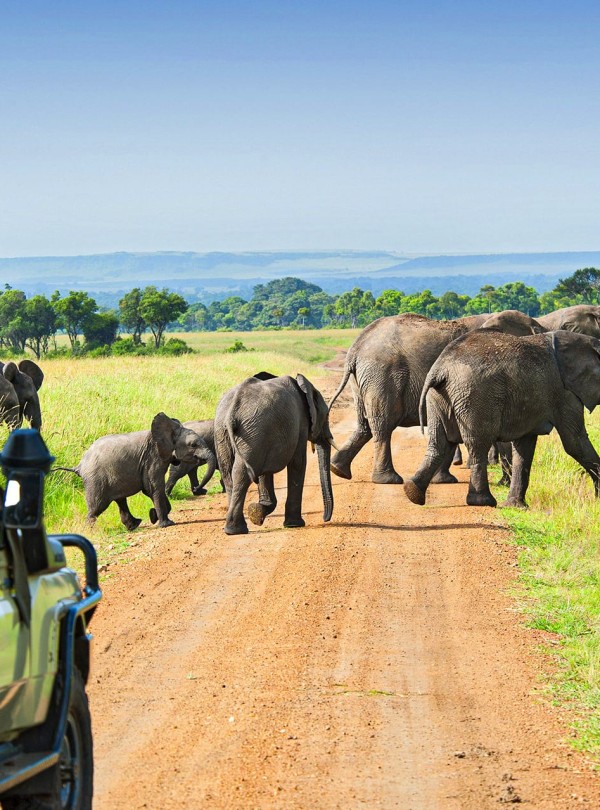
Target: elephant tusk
<point x="334" y="445"/>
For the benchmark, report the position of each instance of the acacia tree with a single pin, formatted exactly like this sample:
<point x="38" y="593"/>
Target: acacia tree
<point x="130" y="314"/>
<point x="160" y="308"/>
<point x="73" y="310"/>
<point x="41" y="320"/>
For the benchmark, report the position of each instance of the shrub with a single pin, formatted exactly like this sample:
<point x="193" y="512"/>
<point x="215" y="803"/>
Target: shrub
<point x="175" y="347"/>
<point x="238" y="346"/>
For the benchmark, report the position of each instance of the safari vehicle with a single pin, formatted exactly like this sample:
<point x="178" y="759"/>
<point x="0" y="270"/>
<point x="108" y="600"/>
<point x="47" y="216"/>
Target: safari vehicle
<point x="46" y="758"/>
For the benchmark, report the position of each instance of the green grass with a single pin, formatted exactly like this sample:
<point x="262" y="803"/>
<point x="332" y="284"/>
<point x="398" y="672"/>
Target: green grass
<point x="559" y="562"/>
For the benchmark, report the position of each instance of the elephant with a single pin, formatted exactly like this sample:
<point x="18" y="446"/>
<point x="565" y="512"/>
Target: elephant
<point x="488" y="386"/>
<point x="205" y="428"/>
<point x="120" y="465"/>
<point x="582" y="318"/>
<point x="25" y="378"/>
<point x="262" y="427"/>
<point x="387" y="365"/>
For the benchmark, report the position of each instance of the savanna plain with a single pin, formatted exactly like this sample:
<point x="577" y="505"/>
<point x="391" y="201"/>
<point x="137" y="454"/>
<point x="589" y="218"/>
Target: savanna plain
<point x="398" y="656"/>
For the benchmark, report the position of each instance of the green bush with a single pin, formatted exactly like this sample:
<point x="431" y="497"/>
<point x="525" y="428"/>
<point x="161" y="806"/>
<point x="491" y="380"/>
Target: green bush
<point x="175" y="347"/>
<point x="238" y="346"/>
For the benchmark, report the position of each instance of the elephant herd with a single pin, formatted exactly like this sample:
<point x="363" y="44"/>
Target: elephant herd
<point x="477" y="380"/>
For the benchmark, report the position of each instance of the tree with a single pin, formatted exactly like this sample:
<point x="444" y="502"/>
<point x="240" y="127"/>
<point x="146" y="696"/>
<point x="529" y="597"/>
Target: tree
<point x="304" y="312"/>
<point x="41" y="319"/>
<point x="13" y="319"/>
<point x="101" y="329"/>
<point x="130" y="314"/>
<point x="72" y="312"/>
<point x="583" y="287"/>
<point x="159" y="308"/>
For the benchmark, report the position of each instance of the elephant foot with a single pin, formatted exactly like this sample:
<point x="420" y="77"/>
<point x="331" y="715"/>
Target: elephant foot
<point x="458" y="459"/>
<point x="340" y="470"/>
<point x="257" y="513"/>
<point x="132" y="524"/>
<point x="153" y="516"/>
<point x="163" y="524"/>
<point x="504" y="481"/>
<point x="413" y="493"/>
<point x="239" y="528"/>
<point x="481" y="499"/>
<point x="387" y="477"/>
<point x="293" y="523"/>
<point x="514" y="503"/>
<point x="198" y="491"/>
<point x="444" y="477"/>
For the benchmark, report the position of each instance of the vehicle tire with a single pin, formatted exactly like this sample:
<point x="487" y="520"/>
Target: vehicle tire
<point x="73" y="777"/>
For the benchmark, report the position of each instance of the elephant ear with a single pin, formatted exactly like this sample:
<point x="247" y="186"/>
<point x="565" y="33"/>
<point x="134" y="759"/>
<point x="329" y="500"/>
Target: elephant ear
<point x="578" y="358"/>
<point x="309" y="392"/>
<point x="32" y="370"/>
<point x="10" y="370"/>
<point x="163" y="432"/>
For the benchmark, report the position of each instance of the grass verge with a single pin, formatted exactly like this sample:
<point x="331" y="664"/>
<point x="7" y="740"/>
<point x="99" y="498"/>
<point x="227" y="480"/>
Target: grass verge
<point x="559" y="563"/>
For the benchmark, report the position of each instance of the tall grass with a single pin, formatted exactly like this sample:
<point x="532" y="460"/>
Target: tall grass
<point x="559" y="560"/>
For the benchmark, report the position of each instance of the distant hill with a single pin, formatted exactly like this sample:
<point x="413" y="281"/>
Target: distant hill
<point x="210" y="276"/>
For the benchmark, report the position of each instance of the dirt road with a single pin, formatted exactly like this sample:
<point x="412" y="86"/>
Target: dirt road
<point x="373" y="662"/>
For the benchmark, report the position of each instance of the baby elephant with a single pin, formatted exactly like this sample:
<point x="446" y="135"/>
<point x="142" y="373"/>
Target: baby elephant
<point x="118" y="466"/>
<point x="205" y="428"/>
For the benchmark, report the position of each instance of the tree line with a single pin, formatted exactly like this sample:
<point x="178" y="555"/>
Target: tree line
<point x="33" y="323"/>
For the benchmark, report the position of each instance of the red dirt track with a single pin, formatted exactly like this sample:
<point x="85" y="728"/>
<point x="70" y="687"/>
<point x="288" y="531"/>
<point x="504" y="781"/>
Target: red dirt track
<point x="373" y="662"/>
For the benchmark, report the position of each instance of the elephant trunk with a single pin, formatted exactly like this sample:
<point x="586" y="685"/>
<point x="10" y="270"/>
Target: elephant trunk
<point x="211" y="466"/>
<point x="324" y="456"/>
<point x="33" y="413"/>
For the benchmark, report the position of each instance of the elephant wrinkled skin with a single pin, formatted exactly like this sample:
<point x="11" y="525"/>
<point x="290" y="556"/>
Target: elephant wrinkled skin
<point x="205" y="428"/>
<point x="118" y="466"/>
<point x="261" y="427"/>
<point x="488" y="386"/>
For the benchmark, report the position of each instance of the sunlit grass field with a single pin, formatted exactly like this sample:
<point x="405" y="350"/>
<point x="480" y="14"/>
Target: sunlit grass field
<point x="559" y="561"/>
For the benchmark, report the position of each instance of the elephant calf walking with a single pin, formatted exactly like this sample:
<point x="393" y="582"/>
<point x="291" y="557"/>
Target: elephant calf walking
<point x="118" y="466"/>
<point x="262" y="426"/>
<point x="488" y="386"/>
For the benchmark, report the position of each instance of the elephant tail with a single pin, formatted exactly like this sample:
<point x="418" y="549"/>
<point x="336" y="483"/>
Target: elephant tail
<point x="435" y="378"/>
<point x="67" y="469"/>
<point x="348" y="371"/>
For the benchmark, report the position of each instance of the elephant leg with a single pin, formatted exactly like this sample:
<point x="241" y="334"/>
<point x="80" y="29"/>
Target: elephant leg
<point x="505" y="454"/>
<point x="97" y="503"/>
<point x="341" y="461"/>
<point x="479" y="493"/>
<point x="494" y="454"/>
<point x="194" y="483"/>
<point x="159" y="513"/>
<point x="236" y="492"/>
<point x="443" y="475"/>
<point x="127" y="519"/>
<point x="383" y="467"/>
<point x="267" y="500"/>
<point x="579" y="447"/>
<point x="439" y="451"/>
<point x="296" y="471"/>
<point x="522" y="456"/>
<point x="458" y="459"/>
<point x="175" y="475"/>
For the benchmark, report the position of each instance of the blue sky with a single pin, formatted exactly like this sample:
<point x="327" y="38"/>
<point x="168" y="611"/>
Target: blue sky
<point x="434" y="127"/>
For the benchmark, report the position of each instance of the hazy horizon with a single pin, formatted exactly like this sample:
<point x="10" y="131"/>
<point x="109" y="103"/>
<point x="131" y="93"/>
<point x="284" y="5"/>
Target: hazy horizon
<point x="456" y="128"/>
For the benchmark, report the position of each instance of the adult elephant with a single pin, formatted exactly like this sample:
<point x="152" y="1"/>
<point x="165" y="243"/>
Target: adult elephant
<point x="25" y="378"/>
<point x="262" y="427"/>
<point x="582" y="318"/>
<point x="487" y="387"/>
<point x="387" y="365"/>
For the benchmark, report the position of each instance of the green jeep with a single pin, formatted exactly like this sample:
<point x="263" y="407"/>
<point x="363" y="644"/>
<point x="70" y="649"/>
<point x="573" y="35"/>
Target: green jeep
<point x="46" y="760"/>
